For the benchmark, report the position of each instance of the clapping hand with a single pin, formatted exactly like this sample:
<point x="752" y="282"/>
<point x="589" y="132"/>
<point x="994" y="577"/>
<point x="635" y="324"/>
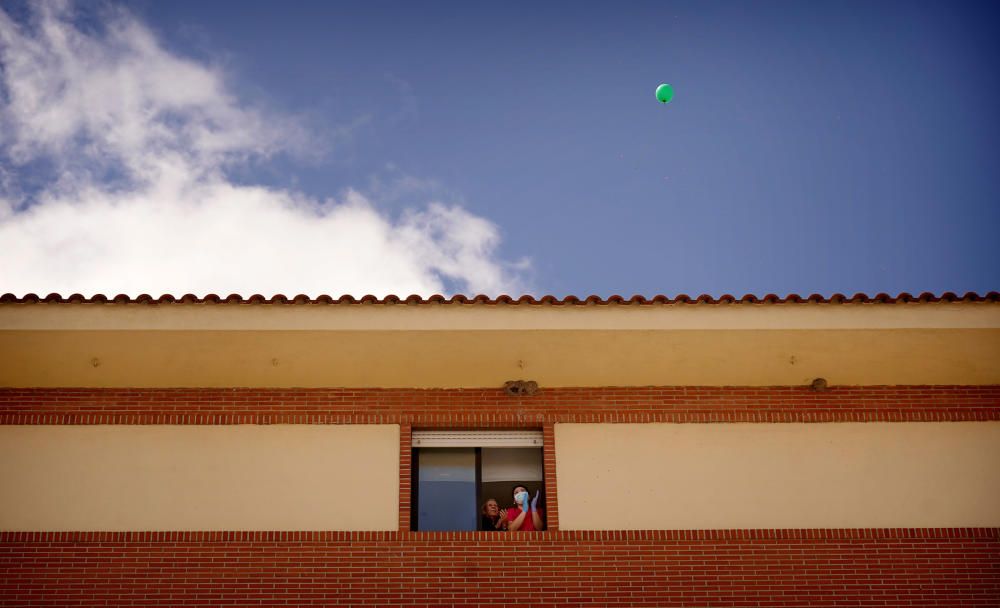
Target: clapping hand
<point x="534" y="501"/>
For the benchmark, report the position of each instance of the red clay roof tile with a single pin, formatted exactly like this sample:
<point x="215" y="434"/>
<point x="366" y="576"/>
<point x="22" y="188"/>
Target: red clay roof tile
<point x="837" y="298"/>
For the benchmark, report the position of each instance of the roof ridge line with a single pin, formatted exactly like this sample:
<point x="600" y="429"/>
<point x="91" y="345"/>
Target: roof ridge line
<point x="526" y="299"/>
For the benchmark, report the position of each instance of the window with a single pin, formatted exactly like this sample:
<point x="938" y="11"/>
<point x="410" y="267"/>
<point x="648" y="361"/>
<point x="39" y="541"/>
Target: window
<point x="456" y="473"/>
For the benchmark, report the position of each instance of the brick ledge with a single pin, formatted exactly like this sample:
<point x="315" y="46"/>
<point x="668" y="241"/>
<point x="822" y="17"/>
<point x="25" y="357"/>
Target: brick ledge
<point x="279" y="536"/>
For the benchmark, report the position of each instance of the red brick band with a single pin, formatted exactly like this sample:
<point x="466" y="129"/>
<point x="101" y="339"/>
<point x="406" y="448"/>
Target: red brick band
<point x="642" y="568"/>
<point x="405" y="476"/>
<point x="311" y="536"/>
<point x="451" y="408"/>
<point x="549" y="473"/>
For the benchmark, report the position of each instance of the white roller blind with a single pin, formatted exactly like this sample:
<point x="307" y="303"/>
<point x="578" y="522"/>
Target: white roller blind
<point x="477" y="439"/>
<point x="512" y="464"/>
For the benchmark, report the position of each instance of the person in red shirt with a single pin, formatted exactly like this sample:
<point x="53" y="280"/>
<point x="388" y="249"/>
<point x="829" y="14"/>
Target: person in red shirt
<point x="524" y="516"/>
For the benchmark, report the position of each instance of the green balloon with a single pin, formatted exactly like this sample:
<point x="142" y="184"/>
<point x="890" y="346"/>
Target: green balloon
<point x="664" y="92"/>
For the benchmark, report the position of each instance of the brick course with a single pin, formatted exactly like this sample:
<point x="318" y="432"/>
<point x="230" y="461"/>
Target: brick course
<point x="493" y="408"/>
<point x="641" y="568"/>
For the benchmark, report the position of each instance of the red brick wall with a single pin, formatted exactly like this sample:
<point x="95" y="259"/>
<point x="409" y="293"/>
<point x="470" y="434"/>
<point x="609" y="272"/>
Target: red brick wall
<point x="883" y="567"/>
<point x="491" y="407"/>
<point x="728" y="568"/>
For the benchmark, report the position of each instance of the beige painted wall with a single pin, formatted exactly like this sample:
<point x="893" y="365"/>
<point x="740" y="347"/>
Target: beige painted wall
<point x="247" y="477"/>
<point x="219" y="345"/>
<point x="502" y="317"/>
<point x="432" y="359"/>
<point x="842" y="475"/>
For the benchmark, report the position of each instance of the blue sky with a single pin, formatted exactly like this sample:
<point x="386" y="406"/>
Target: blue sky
<point x="810" y="147"/>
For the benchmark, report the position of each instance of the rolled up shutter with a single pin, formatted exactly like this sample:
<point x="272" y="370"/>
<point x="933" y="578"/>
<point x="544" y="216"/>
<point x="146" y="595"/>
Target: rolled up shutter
<point x="477" y="439"/>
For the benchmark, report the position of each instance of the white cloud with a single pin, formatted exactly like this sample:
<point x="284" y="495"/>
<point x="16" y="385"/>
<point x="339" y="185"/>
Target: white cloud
<point x="141" y="140"/>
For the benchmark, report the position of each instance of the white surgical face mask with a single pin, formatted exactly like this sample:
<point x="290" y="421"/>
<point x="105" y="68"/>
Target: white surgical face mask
<point x="521" y="498"/>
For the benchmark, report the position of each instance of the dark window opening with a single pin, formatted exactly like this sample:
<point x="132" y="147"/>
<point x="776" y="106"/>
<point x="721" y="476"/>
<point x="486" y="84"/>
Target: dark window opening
<point x="454" y="484"/>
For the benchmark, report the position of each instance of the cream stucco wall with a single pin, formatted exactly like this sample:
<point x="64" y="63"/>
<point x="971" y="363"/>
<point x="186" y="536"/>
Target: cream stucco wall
<point x="433" y="359"/>
<point x="247" y="477"/>
<point x="469" y="345"/>
<point x="842" y="475"/>
<point x="496" y="317"/>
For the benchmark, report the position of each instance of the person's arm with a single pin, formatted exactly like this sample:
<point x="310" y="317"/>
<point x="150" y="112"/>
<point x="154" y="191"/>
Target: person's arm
<point x="536" y="519"/>
<point x="516" y="524"/>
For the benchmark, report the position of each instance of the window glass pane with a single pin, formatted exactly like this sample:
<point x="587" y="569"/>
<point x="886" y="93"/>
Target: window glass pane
<point x="446" y="489"/>
<point x="503" y="468"/>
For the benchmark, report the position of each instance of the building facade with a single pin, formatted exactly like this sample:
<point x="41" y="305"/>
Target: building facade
<point x="687" y="452"/>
